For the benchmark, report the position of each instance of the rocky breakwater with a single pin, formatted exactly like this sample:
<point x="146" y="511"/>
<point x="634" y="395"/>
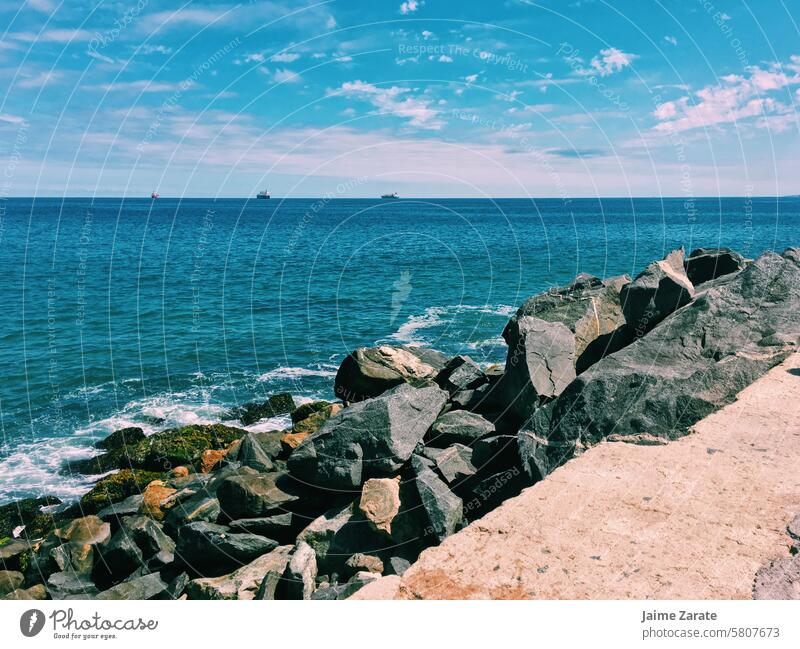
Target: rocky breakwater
<point x="420" y="447"/>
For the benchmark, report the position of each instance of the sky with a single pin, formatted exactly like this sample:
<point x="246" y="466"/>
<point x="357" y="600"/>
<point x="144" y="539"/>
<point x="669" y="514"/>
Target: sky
<point x="429" y="98"/>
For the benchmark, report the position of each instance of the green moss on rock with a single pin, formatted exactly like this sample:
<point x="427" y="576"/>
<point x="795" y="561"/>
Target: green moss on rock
<point x="115" y="488"/>
<point x="308" y="409"/>
<point x="27" y="512"/>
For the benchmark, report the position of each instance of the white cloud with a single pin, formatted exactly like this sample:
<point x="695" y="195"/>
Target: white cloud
<point x="46" y="6"/>
<point x="186" y="16"/>
<point x="38" y="81"/>
<point x="426" y="34"/>
<point x="445" y="59"/>
<point x="12" y="119"/>
<point x="286" y="76"/>
<point x="142" y="85"/>
<point x="284" y="57"/>
<point x="155" y="49"/>
<point x="395" y="101"/>
<point x="410" y="6"/>
<point x="100" y="57"/>
<point x="735" y="98"/>
<point x="255" y="58"/>
<point x="55" y="36"/>
<point x="471" y="78"/>
<point x="611" y="60"/>
<point x="671" y="40"/>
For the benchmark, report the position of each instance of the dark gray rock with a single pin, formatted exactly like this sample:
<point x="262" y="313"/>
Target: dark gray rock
<point x="493" y="490"/>
<point x="460" y="373"/>
<point x="458" y="427"/>
<point x="780" y="579"/>
<point x="301" y="573"/>
<point x="196" y="508"/>
<point x="453" y="463"/>
<point x="498" y="452"/>
<point x="343" y="591"/>
<point x="280" y="527"/>
<point x="127" y="507"/>
<point x="371" y="371"/>
<point x="149" y="586"/>
<point x="122" y="437"/>
<point x="705" y="264"/>
<point x="63" y="585"/>
<point x="118" y="558"/>
<point x="371" y="439"/>
<point x="278" y="404"/>
<point x="149" y="536"/>
<point x="537" y="457"/>
<point x="692" y="364"/>
<point x="256" y="496"/>
<point x="397" y="566"/>
<point x="215" y="546"/>
<point x="254" y="455"/>
<point x="443" y="509"/>
<point x="659" y="290"/>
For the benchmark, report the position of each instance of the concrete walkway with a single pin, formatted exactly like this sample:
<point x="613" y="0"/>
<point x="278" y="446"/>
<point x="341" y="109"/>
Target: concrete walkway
<point x="693" y="519"/>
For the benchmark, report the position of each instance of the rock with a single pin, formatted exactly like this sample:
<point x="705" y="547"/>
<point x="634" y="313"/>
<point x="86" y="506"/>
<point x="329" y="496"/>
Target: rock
<point x="118" y="558"/>
<point x="63" y="585"/>
<point x="89" y="530"/>
<point x="384" y="588"/>
<point x="196" y="508"/>
<point x="10" y="580"/>
<point x="371" y="439"/>
<point x="270" y="584"/>
<point x="458" y="427"/>
<point x="243" y="583"/>
<point x="361" y="562"/>
<point x="155" y="493"/>
<point x="254" y="455"/>
<point x="291" y="441"/>
<point x="149" y="537"/>
<point x="211" y="459"/>
<point x="122" y="437"/>
<point x="344" y="591"/>
<point x="128" y="507"/>
<point x="115" y="488"/>
<point x="145" y="587"/>
<point x="380" y="502"/>
<point x="256" y="496"/>
<point x="705" y="264"/>
<point x="301" y="573"/>
<point x="278" y="404"/>
<point x="460" y="373"/>
<point x="442" y="507"/>
<point x="371" y="371"/>
<point x="176" y="587"/>
<point x="494" y="490"/>
<point x="455" y="463"/>
<point x="27" y="513"/>
<point x="536" y="457"/>
<point x="182" y="446"/>
<point x="13" y="553"/>
<point x="215" y="546"/>
<point x="793" y="528"/>
<point x="659" y="290"/>
<point x="280" y="527"/>
<point x="77" y="558"/>
<point x="34" y="592"/>
<point x="321" y="534"/>
<point x="693" y="363"/>
<point x="778" y="580"/>
<point x="179" y="472"/>
<point x="792" y="254"/>
<point x="313" y="422"/>
<point x="397" y="566"/>
<point x="307" y="409"/>
<point x="498" y="451"/>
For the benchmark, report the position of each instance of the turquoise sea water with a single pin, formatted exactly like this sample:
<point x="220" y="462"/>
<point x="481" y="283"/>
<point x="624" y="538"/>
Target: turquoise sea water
<point x="157" y="313"/>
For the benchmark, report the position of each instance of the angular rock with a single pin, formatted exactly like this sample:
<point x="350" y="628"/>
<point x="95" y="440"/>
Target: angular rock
<point x="13" y="552"/>
<point x="278" y="404"/>
<point x="380" y="502"/>
<point x="460" y="373"/>
<point x="212" y="459"/>
<point x="123" y="437"/>
<point x="442" y="507"/>
<point x="397" y="566"/>
<point x="281" y="527"/>
<point x="128" y="507"/>
<point x="73" y="558"/>
<point x="361" y="562"/>
<point x="313" y="422"/>
<point x="458" y="427"/>
<point x="301" y="573"/>
<point x="243" y="583"/>
<point x="145" y="587"/>
<point x="148" y="536"/>
<point x="693" y="363"/>
<point x="256" y="496"/>
<point x="89" y="530"/>
<point x="196" y="508"/>
<point x="371" y="439"/>
<point x="705" y="264"/>
<point x="118" y="558"/>
<point x="656" y="292"/>
<point x="115" y="488"/>
<point x="254" y="455"/>
<point x="344" y="591"/>
<point x="37" y="591"/>
<point x="270" y="584"/>
<point x="793" y="528"/>
<point x="215" y="546"/>
<point x="498" y="451"/>
<point x="62" y="585"/>
<point x="10" y="580"/>
<point x="371" y="371"/>
<point x="291" y="441"/>
<point x="305" y="410"/>
<point x="153" y="496"/>
<point x="778" y="580"/>
<point x="454" y="463"/>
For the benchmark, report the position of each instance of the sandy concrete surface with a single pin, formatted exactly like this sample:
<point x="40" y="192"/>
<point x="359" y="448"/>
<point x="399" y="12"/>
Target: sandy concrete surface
<point x="693" y="519"/>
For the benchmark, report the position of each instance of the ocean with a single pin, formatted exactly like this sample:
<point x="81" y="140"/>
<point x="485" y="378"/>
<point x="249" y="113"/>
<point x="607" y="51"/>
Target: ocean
<point x="160" y="313"/>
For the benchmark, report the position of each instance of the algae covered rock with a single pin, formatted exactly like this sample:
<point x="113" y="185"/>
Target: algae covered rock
<point x="115" y="488"/>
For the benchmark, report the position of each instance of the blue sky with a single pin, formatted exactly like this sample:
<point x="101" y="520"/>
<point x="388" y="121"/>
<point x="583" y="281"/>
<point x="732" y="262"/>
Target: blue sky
<point x="428" y="98"/>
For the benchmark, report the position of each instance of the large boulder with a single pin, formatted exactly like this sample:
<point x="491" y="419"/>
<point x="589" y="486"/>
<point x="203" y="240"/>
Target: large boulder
<point x="690" y="365"/>
<point x="256" y="496"/>
<point x="557" y="334"/>
<point x="301" y="573"/>
<point x="10" y="580"/>
<point x="27" y="514"/>
<point x="370" y="371"/>
<point x="458" y="427"/>
<point x="370" y="439"/>
<point x="705" y="264"/>
<point x="149" y="586"/>
<point x="278" y="404"/>
<point x="214" y="547"/>
<point x="461" y="373"/>
<point x="443" y="509"/>
<point x="115" y="488"/>
<point x="657" y="291"/>
<point x="244" y="582"/>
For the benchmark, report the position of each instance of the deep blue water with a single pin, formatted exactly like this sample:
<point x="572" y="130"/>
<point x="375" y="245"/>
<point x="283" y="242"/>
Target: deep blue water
<point x="154" y="313"/>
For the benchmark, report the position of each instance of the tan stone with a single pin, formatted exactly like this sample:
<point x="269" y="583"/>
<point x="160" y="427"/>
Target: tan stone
<point x="154" y="494"/>
<point x="88" y="530"/>
<point x="693" y="519"/>
<point x="380" y="502"/>
<point x="383" y="588"/>
<point x="291" y="441"/>
<point x="179" y="472"/>
<point x="210" y="459"/>
<point x="10" y="580"/>
<point x="34" y="592"/>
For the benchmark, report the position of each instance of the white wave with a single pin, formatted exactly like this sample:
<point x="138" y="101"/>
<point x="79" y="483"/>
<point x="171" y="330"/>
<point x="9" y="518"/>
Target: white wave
<point x="497" y="341"/>
<point x="407" y="333"/>
<point x="323" y="371"/>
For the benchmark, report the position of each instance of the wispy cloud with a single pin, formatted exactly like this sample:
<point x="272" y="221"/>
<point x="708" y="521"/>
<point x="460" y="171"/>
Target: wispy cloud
<point x="11" y="119"/>
<point x="735" y="98"/>
<point x="191" y="16"/>
<point x="611" y="60"/>
<point x="671" y="40"/>
<point x="410" y="6"/>
<point x="38" y="81"/>
<point x="286" y="76"/>
<point x="284" y="57"/>
<point x="54" y="36"/>
<point x="46" y="6"/>
<point x="141" y="85"/>
<point x="395" y="101"/>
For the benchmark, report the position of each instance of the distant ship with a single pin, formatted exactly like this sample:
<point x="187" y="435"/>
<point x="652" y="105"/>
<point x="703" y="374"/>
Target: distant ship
<point x="153" y="194"/>
<point x="392" y="196"/>
<point x="264" y="194"/>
